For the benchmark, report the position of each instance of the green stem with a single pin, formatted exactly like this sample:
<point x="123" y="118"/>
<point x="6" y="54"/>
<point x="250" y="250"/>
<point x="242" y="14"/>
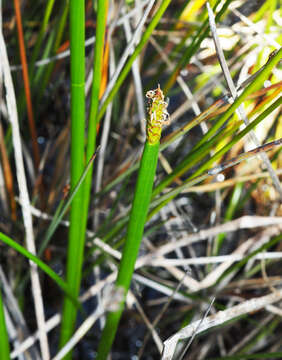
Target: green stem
<point x="93" y="121"/>
<point x="135" y="231"/>
<point x="157" y="116"/>
<point x="76" y="235"/>
<point x="4" y="340"/>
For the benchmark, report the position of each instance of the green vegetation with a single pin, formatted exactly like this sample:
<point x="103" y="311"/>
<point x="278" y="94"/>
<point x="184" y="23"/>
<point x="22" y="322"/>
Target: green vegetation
<point x="147" y="174"/>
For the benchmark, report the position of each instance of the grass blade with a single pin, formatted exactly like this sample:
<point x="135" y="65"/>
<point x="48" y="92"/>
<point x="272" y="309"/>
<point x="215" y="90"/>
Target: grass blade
<point x="20" y="249"/>
<point x="76" y="235"/>
<point x="4" y="340"/>
<point x="156" y="118"/>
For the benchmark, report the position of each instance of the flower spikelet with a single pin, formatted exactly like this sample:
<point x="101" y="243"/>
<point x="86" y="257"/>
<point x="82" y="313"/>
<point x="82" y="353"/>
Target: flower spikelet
<point x="157" y="115"/>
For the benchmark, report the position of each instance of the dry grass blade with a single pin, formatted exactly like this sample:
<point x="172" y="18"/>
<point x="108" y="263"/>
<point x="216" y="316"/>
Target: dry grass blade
<point x="217" y="319"/>
<point x="240" y="110"/>
<point x="22" y="184"/>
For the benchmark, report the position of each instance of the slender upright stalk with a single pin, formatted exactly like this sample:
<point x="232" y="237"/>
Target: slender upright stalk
<point x="64" y="5"/>
<point x="4" y="340"/>
<point x="76" y="236"/>
<point x="42" y="32"/>
<point x="32" y="126"/>
<point x="93" y="120"/>
<point x="157" y="117"/>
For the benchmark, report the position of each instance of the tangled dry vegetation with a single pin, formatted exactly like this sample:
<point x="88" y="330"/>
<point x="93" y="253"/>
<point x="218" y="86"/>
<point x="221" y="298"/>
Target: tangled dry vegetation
<point x="207" y="280"/>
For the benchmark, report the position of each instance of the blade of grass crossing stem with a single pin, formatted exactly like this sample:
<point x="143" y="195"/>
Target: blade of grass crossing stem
<point x="240" y="135"/>
<point x="76" y="235"/>
<point x="191" y="160"/>
<point x="21" y="250"/>
<point x="63" y="207"/>
<point x="197" y="174"/>
<point x="4" y="340"/>
<point x="206" y="114"/>
<point x="157" y="116"/>
<point x="195" y="179"/>
<point x="253" y="86"/>
<point x="161" y="201"/>
<point x="93" y="121"/>
<point x="262" y="76"/>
